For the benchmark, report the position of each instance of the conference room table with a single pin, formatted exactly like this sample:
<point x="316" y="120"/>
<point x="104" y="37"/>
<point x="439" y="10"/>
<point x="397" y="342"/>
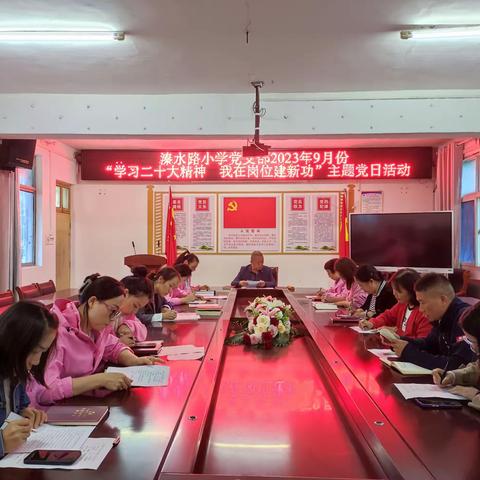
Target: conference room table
<point x="65" y="294"/>
<point x="322" y="407"/>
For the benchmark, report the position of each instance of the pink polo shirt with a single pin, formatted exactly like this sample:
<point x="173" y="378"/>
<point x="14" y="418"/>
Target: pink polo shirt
<point x="176" y="295"/>
<point x="337" y="290"/>
<point x="356" y="295"/>
<point x="75" y="355"/>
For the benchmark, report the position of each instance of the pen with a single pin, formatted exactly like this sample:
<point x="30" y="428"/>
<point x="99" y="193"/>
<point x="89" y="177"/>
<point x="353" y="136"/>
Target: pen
<point x="445" y="371"/>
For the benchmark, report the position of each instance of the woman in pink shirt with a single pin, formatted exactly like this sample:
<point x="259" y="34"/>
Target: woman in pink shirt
<point x="338" y="291"/>
<point x="356" y="296"/>
<point x="183" y="293"/>
<point x="84" y="345"/>
<point x="192" y="261"/>
<point x="138" y="291"/>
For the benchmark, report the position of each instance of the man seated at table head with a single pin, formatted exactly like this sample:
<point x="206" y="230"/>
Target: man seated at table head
<point x="444" y="346"/>
<point x="255" y="275"/>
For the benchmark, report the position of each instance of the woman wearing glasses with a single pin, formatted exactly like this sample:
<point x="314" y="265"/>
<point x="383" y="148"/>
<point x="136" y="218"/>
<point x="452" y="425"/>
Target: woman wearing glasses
<point x="84" y="345"/>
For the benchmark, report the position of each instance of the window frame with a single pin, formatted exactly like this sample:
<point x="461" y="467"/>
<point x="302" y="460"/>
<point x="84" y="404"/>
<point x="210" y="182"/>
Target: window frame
<point x="63" y="186"/>
<point x="475" y="197"/>
<point x="33" y="190"/>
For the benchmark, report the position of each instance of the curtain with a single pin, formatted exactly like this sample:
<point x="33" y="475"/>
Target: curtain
<point x="10" y="256"/>
<point x="447" y="188"/>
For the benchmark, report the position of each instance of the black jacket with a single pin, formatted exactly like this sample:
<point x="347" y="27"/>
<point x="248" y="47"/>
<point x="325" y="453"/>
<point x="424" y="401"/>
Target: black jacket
<point x="156" y="305"/>
<point x="443" y="344"/>
<point x="384" y="301"/>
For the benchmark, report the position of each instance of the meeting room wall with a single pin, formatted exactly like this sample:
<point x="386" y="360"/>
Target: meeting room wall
<point x="107" y="217"/>
<point x="54" y="162"/>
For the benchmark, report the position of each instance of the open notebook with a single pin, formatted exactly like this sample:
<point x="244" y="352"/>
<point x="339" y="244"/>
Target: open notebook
<point x="406" y="368"/>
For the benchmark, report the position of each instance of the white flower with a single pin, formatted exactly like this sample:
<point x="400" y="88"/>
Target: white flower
<point x="281" y="328"/>
<point x="263" y="320"/>
<point x="279" y="315"/>
<point x="259" y="329"/>
<point x="256" y="338"/>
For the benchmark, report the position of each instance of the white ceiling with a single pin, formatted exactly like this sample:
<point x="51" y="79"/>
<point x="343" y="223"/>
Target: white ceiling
<point x="199" y="46"/>
<point x="236" y="143"/>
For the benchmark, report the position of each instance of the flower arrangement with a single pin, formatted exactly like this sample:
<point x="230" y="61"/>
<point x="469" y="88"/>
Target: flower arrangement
<point x="268" y="324"/>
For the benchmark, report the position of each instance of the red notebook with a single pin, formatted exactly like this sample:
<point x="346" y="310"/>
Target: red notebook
<point x="76" y="414"/>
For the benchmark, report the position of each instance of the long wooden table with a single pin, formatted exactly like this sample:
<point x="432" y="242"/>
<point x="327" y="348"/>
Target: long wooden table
<point x="323" y="407"/>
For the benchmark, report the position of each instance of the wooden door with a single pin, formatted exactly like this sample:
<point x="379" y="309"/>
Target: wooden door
<point x="63" y="234"/>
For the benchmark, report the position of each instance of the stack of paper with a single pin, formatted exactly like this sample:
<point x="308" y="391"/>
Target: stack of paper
<point x="183" y="352"/>
<point x="205" y="293"/>
<point x="327" y="307"/>
<point x="420" y="390"/>
<point x="383" y="353"/>
<point x="145" y="375"/>
<point x="94" y="450"/>
<point x="52" y="437"/>
<point x="185" y="317"/>
<point x="195" y="303"/>
<point x="358" y="329"/>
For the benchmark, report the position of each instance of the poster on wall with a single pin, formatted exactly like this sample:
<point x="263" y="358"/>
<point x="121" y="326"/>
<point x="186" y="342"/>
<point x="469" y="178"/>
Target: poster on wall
<point x="195" y="218"/>
<point x="311" y="222"/>
<point x="249" y="222"/>
<point x="372" y="202"/>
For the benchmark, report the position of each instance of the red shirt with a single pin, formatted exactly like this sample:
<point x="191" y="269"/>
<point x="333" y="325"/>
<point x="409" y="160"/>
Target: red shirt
<point x="417" y="326"/>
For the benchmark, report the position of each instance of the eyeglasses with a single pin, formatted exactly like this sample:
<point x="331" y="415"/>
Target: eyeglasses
<point x="113" y="310"/>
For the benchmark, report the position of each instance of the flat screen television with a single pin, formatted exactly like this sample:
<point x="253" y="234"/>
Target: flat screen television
<point x="423" y="241"/>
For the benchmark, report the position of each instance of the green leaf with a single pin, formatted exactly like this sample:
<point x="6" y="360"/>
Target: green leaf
<point x="235" y="339"/>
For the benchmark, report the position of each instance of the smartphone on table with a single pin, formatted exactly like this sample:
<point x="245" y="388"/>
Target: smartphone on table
<point x="438" y="403"/>
<point x="52" y="457"/>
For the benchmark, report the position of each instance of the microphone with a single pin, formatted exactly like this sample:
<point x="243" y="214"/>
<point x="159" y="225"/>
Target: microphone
<point x="134" y="249"/>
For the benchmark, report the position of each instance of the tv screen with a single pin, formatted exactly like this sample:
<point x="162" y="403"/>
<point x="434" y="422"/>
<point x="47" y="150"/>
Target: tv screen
<point x="396" y="240"/>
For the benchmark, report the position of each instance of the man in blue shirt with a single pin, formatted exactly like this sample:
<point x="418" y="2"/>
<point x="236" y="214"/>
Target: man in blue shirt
<point x="255" y="275"/>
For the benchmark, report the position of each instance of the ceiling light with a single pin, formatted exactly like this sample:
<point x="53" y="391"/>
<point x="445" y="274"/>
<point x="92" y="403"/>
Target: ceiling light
<point x="441" y="32"/>
<point x="59" y="36"/>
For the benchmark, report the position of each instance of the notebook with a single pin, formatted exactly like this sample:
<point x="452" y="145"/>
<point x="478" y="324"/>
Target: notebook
<point x="184" y="317"/>
<point x="406" y="368"/>
<point x="209" y="306"/>
<point x="388" y="334"/>
<point x="209" y="313"/>
<point x="329" y="307"/>
<point x="344" y="318"/>
<point x="76" y="415"/>
<point x="141" y="349"/>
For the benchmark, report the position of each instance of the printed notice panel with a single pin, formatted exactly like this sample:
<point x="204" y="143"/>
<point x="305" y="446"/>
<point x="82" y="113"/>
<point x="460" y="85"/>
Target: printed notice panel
<point x="195" y="219"/>
<point x="249" y="222"/>
<point x="311" y="222"/>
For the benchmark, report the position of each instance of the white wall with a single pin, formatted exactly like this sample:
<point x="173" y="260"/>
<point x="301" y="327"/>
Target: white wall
<point x="54" y="161"/>
<point x="108" y="216"/>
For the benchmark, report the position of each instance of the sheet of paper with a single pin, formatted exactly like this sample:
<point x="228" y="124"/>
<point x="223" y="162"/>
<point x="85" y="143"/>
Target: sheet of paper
<point x="218" y="297"/>
<point x="383" y="353"/>
<point x="94" y="450"/>
<point x="54" y="437"/>
<point x="311" y="297"/>
<point x="421" y="390"/>
<point x="145" y="375"/>
<point x="358" y="329"/>
<point x="195" y="355"/>
<point x="179" y="349"/>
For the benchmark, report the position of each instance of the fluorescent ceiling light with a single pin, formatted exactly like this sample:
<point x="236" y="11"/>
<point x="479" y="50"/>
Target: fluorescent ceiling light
<point x="61" y="36"/>
<point x="441" y="31"/>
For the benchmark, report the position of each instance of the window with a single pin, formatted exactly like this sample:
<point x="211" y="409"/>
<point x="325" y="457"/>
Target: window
<point x="62" y="197"/>
<point x="470" y="213"/>
<point x="27" y="215"/>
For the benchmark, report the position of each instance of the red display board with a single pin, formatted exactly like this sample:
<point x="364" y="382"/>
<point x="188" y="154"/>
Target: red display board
<point x="279" y="166"/>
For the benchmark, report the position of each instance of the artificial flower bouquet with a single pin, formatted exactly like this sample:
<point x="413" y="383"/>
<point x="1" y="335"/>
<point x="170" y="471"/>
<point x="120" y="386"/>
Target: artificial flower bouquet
<point x="268" y="324"/>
